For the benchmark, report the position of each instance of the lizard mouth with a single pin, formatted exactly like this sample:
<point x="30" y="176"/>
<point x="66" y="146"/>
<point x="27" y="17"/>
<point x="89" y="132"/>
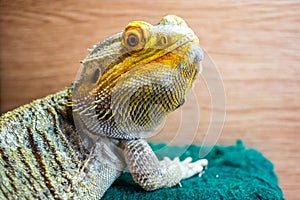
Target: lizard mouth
<point x="136" y="58"/>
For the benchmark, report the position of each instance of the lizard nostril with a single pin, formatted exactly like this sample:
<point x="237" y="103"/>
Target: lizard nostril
<point x="163" y="40"/>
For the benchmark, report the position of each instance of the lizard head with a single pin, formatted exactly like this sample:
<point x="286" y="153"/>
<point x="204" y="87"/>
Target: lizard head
<point x="130" y="81"/>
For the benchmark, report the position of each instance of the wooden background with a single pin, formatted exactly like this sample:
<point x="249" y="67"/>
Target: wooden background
<point x="255" y="45"/>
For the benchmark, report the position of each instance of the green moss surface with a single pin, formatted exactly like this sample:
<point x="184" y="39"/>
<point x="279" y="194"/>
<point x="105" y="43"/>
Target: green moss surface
<point x="234" y="172"/>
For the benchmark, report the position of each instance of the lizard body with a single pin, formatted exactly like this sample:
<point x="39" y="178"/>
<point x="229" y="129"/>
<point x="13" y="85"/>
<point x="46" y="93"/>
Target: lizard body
<point x="75" y="143"/>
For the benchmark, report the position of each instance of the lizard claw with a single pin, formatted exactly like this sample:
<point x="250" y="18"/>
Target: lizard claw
<point x="189" y="168"/>
<point x="187" y="160"/>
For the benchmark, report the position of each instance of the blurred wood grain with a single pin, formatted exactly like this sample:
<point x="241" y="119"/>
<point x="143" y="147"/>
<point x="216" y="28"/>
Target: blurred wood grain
<point x="255" y="45"/>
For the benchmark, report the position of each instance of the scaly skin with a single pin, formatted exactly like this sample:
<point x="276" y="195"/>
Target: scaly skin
<point x="75" y="143"/>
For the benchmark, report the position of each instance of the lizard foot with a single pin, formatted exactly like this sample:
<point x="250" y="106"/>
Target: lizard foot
<point x="189" y="168"/>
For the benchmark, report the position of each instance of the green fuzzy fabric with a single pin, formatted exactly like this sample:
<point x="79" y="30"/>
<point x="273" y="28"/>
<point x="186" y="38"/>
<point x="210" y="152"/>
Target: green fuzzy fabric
<point x="234" y="172"/>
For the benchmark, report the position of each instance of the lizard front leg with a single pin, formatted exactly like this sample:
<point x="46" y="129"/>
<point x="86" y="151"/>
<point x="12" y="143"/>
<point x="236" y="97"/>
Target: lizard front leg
<point x="153" y="174"/>
<point x="103" y="166"/>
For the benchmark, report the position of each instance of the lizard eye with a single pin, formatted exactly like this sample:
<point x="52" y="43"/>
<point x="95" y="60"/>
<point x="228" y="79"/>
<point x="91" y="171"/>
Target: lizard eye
<point x="132" y="40"/>
<point x="134" y="37"/>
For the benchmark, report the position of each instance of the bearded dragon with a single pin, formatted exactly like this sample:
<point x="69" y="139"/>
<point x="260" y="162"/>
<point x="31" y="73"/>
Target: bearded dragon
<point x="74" y="144"/>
